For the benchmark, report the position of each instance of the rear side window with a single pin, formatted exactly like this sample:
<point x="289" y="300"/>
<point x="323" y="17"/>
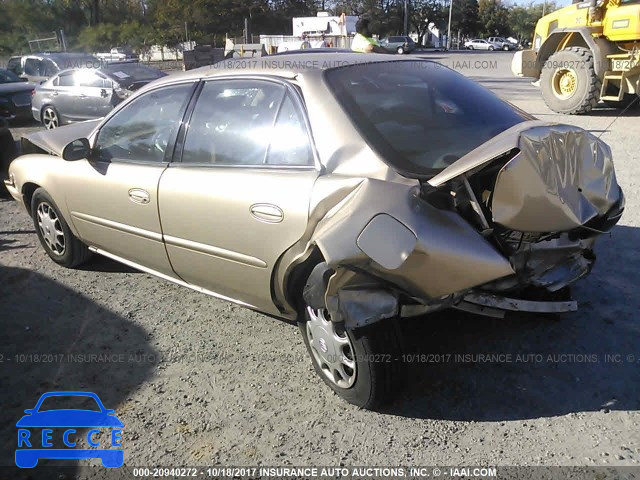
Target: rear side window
<point x="34" y="67"/>
<point x="246" y="122"/>
<point x="419" y="115"/>
<point x="65" y="80"/>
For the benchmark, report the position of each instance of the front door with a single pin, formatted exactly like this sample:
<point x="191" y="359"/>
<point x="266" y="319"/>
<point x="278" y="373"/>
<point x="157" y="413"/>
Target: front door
<point x="240" y="196"/>
<point x="114" y="196"/>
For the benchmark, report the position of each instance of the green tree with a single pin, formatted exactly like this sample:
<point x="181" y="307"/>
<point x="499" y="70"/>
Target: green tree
<point x="427" y="12"/>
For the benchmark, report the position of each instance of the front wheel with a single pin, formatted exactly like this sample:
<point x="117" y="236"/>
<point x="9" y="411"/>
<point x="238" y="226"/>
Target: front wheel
<point x="505" y="48"/>
<point x="361" y="366"/>
<point x="54" y="234"/>
<point x="491" y="49"/>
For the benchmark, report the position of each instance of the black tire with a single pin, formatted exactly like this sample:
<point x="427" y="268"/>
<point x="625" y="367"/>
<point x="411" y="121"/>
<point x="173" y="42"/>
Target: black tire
<point x="491" y="49"/>
<point x="400" y="50"/>
<point x="505" y="48"/>
<point x="577" y="61"/>
<point x="7" y="154"/>
<point x="73" y="251"/>
<point x="377" y="350"/>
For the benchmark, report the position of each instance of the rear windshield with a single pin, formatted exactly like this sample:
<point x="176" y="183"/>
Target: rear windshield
<point x="419" y="115"/>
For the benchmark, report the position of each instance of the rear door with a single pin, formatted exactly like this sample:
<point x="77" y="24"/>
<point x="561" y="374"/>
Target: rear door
<point x="93" y="97"/>
<point x="240" y="195"/>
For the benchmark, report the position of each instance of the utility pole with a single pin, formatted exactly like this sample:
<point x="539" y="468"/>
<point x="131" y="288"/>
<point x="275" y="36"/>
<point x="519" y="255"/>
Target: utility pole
<point x="406" y="18"/>
<point x="449" y="26"/>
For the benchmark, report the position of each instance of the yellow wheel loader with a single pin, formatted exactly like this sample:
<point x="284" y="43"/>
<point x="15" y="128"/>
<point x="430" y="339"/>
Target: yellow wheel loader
<point x="585" y="53"/>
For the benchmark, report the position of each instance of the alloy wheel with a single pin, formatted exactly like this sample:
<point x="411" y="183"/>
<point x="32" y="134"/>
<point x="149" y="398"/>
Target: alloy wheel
<point x="50" y="118"/>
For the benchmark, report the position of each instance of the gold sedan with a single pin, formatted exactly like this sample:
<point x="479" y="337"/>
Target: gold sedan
<point x="344" y="191"/>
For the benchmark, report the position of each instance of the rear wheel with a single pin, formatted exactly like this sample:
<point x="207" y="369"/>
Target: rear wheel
<point x="362" y="366"/>
<point x="50" y="117"/>
<point x="54" y="234"/>
<point x="505" y="48"/>
<point x="491" y="49"/>
<point x="400" y="50"/>
<point x="569" y="82"/>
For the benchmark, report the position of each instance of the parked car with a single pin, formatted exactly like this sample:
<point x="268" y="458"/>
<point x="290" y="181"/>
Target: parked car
<point x="335" y="191"/>
<point x="80" y="94"/>
<point x="502" y="42"/>
<point x="15" y="96"/>
<point x="38" y="67"/>
<point x="481" y="44"/>
<point x="398" y="45"/>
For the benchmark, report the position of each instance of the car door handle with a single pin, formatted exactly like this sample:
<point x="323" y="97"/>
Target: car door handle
<point x="266" y="212"/>
<point x="138" y="195"/>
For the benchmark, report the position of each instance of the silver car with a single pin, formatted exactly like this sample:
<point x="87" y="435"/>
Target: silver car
<point x="344" y="191"/>
<point x="481" y="44"/>
<point x="83" y="94"/>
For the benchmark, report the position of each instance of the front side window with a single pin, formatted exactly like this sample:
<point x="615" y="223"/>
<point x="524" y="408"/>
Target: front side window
<point x="419" y="115"/>
<point x="142" y="130"/>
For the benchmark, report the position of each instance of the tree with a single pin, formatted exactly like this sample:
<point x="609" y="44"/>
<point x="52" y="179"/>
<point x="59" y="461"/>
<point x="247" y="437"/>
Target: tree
<point x="464" y="19"/>
<point x="493" y="17"/>
<point x="424" y="13"/>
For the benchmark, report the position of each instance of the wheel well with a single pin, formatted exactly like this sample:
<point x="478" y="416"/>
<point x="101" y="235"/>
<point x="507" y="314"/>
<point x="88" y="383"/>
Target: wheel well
<point x="298" y="277"/>
<point x="27" y="194"/>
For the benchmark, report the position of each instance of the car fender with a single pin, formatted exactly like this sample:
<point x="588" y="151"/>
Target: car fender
<point x="41" y="170"/>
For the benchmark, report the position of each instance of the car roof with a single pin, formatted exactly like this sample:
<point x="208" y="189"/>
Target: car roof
<point x="288" y="66"/>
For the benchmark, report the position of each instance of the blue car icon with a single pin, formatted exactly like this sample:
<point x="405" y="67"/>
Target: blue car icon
<point x="31" y="449"/>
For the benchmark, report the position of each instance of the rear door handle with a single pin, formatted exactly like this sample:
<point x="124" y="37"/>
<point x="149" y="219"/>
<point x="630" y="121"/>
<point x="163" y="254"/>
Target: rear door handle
<point x="267" y="212"/>
<point x="138" y="195"/>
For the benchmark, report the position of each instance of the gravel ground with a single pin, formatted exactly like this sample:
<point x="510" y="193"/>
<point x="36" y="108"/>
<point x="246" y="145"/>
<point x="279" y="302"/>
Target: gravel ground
<point x="198" y="381"/>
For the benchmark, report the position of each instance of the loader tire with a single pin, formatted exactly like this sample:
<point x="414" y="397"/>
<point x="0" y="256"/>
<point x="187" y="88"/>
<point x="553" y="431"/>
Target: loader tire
<point x="569" y="82"/>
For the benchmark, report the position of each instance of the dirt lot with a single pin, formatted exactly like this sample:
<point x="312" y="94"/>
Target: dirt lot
<point x="197" y="381"/>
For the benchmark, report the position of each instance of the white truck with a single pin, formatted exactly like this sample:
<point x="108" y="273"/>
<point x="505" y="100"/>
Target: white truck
<point x="117" y="55"/>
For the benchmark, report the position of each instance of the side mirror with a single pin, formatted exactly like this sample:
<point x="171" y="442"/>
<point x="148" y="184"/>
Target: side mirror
<point x="76" y="150"/>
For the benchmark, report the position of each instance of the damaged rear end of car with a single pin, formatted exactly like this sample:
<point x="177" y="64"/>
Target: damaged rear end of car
<point x="503" y="215"/>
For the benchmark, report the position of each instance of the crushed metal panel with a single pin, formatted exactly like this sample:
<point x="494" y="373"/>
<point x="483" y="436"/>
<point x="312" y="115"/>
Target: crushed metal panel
<point x="519" y="305"/>
<point x="449" y="256"/>
<point x="491" y="149"/>
<point x="562" y="178"/>
<point x="54" y="141"/>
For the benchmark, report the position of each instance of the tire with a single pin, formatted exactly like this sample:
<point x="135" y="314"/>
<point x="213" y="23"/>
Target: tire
<point x="491" y="49"/>
<point x="505" y="48"/>
<point x="7" y="154"/>
<point x="470" y="47"/>
<point x="399" y="50"/>
<point x="54" y="234"/>
<point x="374" y="351"/>
<point x="569" y="82"/>
<point x="50" y="117"/>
